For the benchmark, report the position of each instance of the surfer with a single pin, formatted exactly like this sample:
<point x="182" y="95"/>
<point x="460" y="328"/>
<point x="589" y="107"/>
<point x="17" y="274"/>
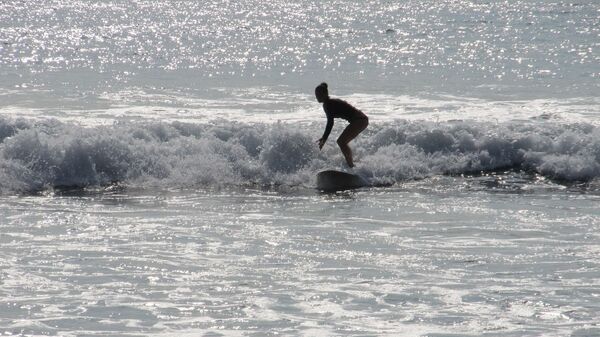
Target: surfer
<point x="337" y="108"/>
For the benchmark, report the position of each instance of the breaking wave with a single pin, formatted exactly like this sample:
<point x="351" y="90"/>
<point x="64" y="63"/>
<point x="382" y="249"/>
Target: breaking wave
<point x="42" y="154"/>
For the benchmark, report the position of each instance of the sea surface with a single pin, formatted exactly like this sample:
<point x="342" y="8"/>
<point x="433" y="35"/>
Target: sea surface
<point x="158" y="163"/>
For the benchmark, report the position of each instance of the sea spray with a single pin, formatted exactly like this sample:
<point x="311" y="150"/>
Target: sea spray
<point x="40" y="154"/>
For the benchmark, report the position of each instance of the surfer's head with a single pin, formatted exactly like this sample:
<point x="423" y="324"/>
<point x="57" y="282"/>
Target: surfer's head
<point x="321" y="92"/>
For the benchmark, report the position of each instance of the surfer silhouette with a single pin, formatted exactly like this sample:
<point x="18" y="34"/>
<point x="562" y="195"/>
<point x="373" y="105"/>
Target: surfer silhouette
<point x="337" y="108"/>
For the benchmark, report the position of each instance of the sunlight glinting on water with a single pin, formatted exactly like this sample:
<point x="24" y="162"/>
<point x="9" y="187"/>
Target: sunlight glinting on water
<point x="227" y="262"/>
<point x="457" y="42"/>
<point x="159" y="170"/>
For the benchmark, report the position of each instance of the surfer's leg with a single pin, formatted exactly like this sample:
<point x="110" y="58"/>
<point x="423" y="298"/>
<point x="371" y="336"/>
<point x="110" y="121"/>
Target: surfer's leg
<point x="347" y="153"/>
<point x="349" y="133"/>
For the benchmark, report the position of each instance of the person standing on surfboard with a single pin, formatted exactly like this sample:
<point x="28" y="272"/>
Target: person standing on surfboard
<point x="336" y="108"/>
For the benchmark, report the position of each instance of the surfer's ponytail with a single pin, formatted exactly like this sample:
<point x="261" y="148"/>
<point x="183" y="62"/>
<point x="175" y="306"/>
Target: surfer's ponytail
<point x="321" y="90"/>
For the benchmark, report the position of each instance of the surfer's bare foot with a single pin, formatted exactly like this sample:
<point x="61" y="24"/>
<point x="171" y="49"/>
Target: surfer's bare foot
<point x="345" y="167"/>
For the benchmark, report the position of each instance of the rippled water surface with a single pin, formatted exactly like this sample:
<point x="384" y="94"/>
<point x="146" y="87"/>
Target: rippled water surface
<point x="158" y="162"/>
<point x="477" y="47"/>
<point x="425" y="258"/>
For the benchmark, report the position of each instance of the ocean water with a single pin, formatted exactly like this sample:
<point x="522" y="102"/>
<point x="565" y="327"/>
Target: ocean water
<point x="158" y="162"/>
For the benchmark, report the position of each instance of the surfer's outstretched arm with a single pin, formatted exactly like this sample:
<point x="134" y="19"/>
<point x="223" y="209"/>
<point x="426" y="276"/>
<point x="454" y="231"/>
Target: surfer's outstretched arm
<point x="328" y="128"/>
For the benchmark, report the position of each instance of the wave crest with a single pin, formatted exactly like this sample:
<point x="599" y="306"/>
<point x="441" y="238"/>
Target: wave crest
<point x="36" y="155"/>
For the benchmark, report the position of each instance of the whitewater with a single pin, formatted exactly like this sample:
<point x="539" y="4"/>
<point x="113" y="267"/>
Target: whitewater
<point x="158" y="167"/>
<point x="47" y="154"/>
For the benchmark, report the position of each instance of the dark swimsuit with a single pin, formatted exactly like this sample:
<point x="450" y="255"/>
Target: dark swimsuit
<point x="337" y="108"/>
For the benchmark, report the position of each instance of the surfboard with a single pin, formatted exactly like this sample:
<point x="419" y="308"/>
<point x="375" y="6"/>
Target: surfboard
<point x="332" y="180"/>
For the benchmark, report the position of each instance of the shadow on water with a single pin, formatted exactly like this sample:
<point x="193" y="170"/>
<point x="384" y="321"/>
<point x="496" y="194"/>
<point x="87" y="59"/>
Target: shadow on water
<point x="84" y="191"/>
<point x="345" y="194"/>
<point x="506" y="181"/>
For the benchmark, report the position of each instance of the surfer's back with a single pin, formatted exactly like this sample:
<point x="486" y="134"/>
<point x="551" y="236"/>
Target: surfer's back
<point x="337" y="108"/>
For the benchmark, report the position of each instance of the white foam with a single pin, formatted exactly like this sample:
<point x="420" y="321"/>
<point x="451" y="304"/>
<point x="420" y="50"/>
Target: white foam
<point x="38" y="154"/>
